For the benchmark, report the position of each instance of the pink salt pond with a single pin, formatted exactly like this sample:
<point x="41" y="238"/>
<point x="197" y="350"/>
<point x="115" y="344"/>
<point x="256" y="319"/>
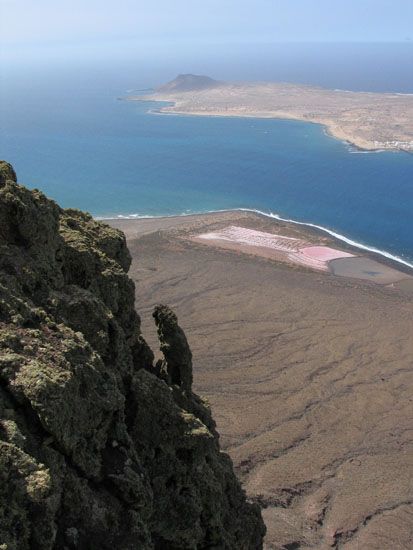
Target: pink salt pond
<point x="298" y="251"/>
<point x="294" y="250"/>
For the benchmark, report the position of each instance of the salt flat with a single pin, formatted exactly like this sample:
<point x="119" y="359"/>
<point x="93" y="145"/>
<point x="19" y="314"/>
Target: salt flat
<point x="298" y="251"/>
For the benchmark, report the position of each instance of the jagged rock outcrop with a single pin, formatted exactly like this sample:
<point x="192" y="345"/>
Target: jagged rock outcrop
<point x="99" y="448"/>
<point x="177" y="363"/>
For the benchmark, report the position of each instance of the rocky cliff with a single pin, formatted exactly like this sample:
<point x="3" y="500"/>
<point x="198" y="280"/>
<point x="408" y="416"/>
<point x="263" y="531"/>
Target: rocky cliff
<point x="99" y="447"/>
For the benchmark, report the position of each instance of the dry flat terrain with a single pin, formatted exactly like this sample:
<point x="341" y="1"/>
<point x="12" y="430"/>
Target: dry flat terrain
<point x="309" y="375"/>
<point x="367" y="120"/>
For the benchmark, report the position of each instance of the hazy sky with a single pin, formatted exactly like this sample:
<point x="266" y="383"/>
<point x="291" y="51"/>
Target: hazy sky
<point x="27" y="25"/>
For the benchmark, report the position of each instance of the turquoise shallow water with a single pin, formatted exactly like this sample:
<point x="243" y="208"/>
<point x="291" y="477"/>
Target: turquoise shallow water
<point x="86" y="149"/>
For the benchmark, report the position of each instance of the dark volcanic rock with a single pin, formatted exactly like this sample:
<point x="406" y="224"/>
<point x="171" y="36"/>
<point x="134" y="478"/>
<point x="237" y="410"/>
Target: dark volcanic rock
<point x="174" y="346"/>
<point x="6" y="172"/>
<point x="188" y="83"/>
<point x="96" y="450"/>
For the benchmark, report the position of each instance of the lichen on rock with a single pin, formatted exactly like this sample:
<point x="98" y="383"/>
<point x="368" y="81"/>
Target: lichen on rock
<point x="99" y="447"/>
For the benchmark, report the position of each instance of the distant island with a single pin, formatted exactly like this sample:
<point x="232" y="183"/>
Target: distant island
<point x="367" y="120"/>
<point x="188" y="83"/>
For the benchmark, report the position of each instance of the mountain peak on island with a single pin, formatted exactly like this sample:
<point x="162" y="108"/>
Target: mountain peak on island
<point x="187" y="83"/>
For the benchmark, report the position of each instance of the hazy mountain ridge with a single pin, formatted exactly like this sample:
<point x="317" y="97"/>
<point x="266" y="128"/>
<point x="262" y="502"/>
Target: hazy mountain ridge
<point x="99" y="448"/>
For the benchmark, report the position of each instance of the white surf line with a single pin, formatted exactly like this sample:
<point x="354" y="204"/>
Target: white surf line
<point x="338" y="236"/>
<point x="334" y="234"/>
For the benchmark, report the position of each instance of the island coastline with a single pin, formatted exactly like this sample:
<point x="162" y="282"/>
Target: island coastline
<point x="367" y="121"/>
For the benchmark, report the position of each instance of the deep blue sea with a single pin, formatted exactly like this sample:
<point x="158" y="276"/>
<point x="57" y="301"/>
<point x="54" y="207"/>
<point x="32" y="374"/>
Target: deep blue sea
<point x="66" y="132"/>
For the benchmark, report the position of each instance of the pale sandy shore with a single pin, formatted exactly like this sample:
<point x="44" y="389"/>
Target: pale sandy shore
<point x="369" y="121"/>
<point x="309" y="374"/>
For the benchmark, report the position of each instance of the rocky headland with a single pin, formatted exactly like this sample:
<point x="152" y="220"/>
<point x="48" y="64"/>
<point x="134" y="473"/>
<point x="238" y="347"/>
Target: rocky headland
<point x="101" y="447"/>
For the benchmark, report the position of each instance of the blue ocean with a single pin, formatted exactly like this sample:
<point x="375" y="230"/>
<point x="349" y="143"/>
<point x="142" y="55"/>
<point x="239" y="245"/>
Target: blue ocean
<point x="67" y="133"/>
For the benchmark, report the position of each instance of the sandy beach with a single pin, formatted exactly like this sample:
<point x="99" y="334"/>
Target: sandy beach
<point x="308" y="370"/>
<point x="369" y="121"/>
